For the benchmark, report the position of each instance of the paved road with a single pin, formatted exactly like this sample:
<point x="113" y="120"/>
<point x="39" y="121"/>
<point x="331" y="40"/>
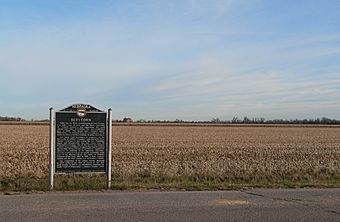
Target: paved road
<point x="248" y="205"/>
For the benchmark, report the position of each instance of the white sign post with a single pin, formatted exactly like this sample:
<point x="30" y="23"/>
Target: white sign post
<point x="109" y="146"/>
<point x="51" y="150"/>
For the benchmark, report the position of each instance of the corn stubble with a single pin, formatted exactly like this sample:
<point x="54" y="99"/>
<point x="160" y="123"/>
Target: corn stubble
<point x="170" y="153"/>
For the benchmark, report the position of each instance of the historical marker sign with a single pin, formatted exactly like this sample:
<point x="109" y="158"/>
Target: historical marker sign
<point x="80" y="140"/>
<point x="80" y="144"/>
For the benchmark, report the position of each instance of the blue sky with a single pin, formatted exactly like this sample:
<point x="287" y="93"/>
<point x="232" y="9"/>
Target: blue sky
<point x="187" y="59"/>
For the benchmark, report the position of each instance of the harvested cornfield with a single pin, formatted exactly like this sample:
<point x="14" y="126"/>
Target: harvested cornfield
<point x="219" y="154"/>
<point x="23" y="150"/>
<point x="227" y="152"/>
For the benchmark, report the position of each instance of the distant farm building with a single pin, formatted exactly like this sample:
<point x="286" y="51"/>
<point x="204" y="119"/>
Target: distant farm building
<point x="127" y="120"/>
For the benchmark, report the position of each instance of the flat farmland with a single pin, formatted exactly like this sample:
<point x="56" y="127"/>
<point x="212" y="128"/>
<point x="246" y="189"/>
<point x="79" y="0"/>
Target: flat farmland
<point x="187" y="156"/>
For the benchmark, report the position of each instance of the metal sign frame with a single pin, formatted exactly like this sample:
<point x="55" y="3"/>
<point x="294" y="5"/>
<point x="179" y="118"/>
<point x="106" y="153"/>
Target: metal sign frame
<point x="81" y="108"/>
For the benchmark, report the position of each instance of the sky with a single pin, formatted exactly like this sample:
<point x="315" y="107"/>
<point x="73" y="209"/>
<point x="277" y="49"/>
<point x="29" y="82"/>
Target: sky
<point x="166" y="60"/>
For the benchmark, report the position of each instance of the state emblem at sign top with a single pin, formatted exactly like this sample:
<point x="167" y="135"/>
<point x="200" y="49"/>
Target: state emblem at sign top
<point x="81" y="112"/>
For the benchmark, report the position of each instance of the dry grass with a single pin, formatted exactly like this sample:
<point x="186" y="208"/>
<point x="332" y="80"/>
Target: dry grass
<point x="205" y="153"/>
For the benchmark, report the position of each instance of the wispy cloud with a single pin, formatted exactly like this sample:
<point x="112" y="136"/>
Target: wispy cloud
<point x="180" y="59"/>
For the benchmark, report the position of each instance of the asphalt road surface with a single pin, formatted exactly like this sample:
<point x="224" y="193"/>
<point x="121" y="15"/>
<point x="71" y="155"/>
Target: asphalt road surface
<point x="247" y="205"/>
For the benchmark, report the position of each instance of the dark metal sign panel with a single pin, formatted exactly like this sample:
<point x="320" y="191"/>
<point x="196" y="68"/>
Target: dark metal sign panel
<point x="80" y="140"/>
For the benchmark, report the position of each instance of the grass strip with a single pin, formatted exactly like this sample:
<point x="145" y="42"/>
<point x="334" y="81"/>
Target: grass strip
<point x="98" y="182"/>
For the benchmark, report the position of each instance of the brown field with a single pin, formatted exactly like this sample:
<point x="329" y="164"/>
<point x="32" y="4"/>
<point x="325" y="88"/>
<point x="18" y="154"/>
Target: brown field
<point x="202" y="153"/>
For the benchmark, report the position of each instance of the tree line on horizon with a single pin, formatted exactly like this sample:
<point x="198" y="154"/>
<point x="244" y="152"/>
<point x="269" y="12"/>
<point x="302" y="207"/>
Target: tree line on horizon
<point x="247" y="120"/>
<point x="16" y="119"/>
<point x="234" y="120"/>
